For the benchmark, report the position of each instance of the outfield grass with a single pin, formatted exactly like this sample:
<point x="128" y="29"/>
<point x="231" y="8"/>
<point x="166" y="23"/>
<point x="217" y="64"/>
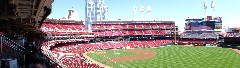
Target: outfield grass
<point x="177" y="57"/>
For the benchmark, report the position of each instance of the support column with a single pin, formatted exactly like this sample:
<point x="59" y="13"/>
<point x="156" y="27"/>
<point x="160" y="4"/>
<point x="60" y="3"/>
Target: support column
<point x="1" y="39"/>
<point x="1" y="43"/>
<point x="175" y="35"/>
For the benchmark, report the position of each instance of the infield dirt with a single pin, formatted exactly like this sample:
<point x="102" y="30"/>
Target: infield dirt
<point x="138" y="55"/>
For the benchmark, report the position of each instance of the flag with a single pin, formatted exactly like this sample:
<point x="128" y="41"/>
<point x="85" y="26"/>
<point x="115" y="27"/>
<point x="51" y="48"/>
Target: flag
<point x="205" y="4"/>
<point x="213" y="4"/>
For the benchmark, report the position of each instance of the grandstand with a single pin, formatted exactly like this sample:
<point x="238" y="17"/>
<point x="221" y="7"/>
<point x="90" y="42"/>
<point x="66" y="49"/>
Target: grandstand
<point x="19" y="33"/>
<point x="231" y="38"/>
<point x="201" y="32"/>
<point x="66" y="50"/>
<point x="200" y="38"/>
<point x="127" y="28"/>
<point x="30" y="40"/>
<point x="105" y="35"/>
<point x="68" y="29"/>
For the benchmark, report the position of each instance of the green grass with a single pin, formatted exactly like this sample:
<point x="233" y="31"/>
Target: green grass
<point x="177" y="57"/>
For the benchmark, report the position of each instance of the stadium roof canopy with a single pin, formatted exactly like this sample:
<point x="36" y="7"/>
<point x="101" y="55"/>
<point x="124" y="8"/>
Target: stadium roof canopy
<point x="25" y="9"/>
<point x="129" y="22"/>
<point x="23" y="16"/>
<point x="62" y="21"/>
<point x="194" y="19"/>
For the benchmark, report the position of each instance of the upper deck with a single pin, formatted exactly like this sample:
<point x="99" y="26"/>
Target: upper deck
<point x="132" y="22"/>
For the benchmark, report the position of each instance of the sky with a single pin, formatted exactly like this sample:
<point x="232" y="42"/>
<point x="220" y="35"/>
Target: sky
<point x="175" y="10"/>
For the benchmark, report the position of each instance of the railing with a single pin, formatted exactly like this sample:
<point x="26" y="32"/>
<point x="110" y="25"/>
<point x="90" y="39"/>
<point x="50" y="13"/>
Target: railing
<point x="10" y="49"/>
<point x="8" y="42"/>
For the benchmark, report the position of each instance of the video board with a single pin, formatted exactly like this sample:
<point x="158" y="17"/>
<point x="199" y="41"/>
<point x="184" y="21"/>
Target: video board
<point x="218" y="22"/>
<point x="201" y="24"/>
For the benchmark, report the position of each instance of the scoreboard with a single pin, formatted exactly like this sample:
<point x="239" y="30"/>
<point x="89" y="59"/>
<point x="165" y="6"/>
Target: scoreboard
<point x="201" y="24"/>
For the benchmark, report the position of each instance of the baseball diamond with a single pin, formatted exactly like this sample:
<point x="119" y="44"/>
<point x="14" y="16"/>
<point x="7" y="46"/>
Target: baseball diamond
<point x="169" y="56"/>
<point x="106" y="34"/>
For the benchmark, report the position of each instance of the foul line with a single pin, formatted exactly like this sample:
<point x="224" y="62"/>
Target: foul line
<point x="94" y="61"/>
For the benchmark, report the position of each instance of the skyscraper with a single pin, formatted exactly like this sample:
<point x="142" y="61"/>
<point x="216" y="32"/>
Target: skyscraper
<point x="95" y="10"/>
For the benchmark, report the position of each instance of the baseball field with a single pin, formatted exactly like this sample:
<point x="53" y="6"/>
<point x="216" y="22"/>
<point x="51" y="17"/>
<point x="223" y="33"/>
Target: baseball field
<point x="169" y="57"/>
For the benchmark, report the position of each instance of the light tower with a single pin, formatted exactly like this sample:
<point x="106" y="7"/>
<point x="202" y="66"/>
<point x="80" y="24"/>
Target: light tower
<point x="149" y="10"/>
<point x="205" y="7"/>
<point x="142" y="11"/>
<point x="70" y="13"/>
<point x="134" y="11"/>
<point x="213" y="6"/>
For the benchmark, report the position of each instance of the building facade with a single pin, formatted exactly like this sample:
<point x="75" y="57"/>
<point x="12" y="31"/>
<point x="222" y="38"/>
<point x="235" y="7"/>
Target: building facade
<point x="95" y="10"/>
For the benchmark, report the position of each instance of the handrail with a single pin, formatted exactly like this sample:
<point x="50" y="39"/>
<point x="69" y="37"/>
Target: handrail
<point x="11" y="44"/>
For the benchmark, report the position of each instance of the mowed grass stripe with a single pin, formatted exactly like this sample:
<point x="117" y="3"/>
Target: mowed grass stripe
<point x="178" y="56"/>
<point x="101" y="59"/>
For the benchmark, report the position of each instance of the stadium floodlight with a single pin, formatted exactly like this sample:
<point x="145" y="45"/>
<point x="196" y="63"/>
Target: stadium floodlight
<point x="205" y="7"/>
<point x="134" y="11"/>
<point x="205" y="4"/>
<point x="213" y="6"/>
<point x="70" y="13"/>
<point x="142" y="11"/>
<point x="149" y="10"/>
